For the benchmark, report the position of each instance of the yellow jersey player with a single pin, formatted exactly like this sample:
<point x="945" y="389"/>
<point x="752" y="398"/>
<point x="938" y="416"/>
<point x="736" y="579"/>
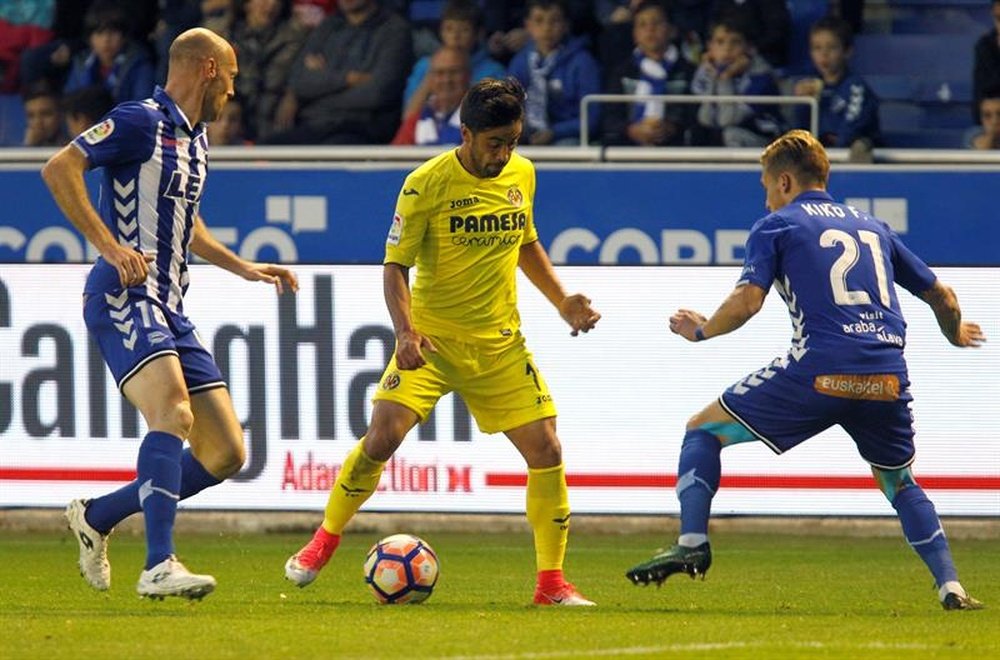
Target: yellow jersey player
<point x="464" y="220"/>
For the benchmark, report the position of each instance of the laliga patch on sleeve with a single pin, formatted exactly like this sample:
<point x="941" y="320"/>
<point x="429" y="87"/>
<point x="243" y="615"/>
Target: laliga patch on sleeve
<point x="396" y="230"/>
<point x="98" y="132"/>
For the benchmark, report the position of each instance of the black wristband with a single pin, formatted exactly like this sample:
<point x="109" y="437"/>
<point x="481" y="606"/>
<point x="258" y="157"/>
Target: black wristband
<point x="699" y="334"/>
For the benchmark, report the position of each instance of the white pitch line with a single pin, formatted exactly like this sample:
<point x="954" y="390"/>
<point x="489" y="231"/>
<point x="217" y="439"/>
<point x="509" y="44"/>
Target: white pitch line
<point x="666" y="648"/>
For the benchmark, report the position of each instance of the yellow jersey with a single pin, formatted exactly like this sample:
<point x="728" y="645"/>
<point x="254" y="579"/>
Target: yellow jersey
<point x="464" y="235"/>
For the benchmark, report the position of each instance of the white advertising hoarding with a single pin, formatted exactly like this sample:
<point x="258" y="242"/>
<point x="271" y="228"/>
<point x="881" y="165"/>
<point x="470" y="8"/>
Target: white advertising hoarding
<point x="302" y="370"/>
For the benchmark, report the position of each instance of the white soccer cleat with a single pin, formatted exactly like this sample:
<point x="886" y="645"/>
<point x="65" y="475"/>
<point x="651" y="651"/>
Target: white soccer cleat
<point x="567" y="595"/>
<point x="93" y="562"/>
<point x="171" y="578"/>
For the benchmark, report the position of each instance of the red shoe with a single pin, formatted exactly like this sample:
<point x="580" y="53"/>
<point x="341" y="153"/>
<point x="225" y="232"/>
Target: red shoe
<point x="564" y="595"/>
<point x="304" y="566"/>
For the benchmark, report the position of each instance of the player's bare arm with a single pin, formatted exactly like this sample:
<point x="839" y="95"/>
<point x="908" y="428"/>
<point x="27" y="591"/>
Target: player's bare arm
<point x="211" y="250"/>
<point x="574" y="309"/>
<point x="63" y="174"/>
<point x="944" y="303"/>
<point x="738" y="308"/>
<point x="410" y="344"/>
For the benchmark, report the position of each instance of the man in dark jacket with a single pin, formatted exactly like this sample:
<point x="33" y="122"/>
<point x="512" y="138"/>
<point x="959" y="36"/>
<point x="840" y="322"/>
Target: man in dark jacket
<point x="346" y="86"/>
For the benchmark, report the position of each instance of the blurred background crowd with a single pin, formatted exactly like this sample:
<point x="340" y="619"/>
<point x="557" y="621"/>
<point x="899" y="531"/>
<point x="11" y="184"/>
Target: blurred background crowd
<point x="900" y="73"/>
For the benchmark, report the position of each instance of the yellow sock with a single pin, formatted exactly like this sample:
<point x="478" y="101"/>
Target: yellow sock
<point x="357" y="480"/>
<point x="548" y="513"/>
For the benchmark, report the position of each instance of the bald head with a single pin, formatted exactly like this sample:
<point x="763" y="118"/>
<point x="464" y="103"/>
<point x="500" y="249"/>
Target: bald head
<point x="201" y="73"/>
<point x="197" y="44"/>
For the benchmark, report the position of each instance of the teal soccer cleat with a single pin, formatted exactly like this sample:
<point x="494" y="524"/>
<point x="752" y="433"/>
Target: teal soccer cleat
<point x="678" y="559"/>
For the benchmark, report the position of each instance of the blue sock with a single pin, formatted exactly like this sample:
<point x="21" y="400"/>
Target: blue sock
<point x="924" y="533"/>
<point x="698" y="474"/>
<point x="194" y="477"/>
<point x="104" y="512"/>
<point x="158" y="472"/>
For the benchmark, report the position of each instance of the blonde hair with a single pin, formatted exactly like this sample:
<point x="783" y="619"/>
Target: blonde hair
<point x="800" y="154"/>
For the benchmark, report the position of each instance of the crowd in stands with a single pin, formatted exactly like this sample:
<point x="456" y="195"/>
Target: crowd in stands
<point x="395" y="71"/>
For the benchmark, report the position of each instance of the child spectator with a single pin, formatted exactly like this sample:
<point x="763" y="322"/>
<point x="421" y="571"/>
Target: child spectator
<point x="656" y="66"/>
<point x="462" y="28"/>
<point x="848" y="109"/>
<point x="227" y="130"/>
<point x="112" y="60"/>
<point x="731" y="66"/>
<point x="767" y="23"/>
<point x="44" y="120"/>
<point x="438" y="121"/>
<point x="989" y="113"/>
<point x="986" y="68"/>
<point x="85" y="107"/>
<point x="267" y="44"/>
<point x="556" y="73"/>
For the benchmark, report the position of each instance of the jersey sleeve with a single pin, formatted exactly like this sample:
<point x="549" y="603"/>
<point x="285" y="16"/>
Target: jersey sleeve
<point x="909" y="270"/>
<point x="409" y="224"/>
<point x="760" y="264"/>
<point x="530" y="231"/>
<point x="125" y="134"/>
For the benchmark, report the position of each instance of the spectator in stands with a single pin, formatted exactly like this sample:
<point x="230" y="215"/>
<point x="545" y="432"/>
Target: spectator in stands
<point x="556" y="71"/>
<point x="986" y="70"/>
<point x="44" y="119"/>
<point x="989" y="113"/>
<point x="848" y="109"/>
<point x="461" y="27"/>
<point x="615" y="18"/>
<point x="113" y="59"/>
<point x="767" y="22"/>
<point x="23" y="25"/>
<point x="267" y="43"/>
<point x="227" y="129"/>
<point x="731" y="66"/>
<point x="308" y="14"/>
<point x="85" y="107"/>
<point x="346" y="86"/>
<point x="656" y="66"/>
<point x="437" y="121"/>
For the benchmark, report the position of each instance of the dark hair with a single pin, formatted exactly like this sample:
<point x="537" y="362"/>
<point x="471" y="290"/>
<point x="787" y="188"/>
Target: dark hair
<point x="549" y="4"/>
<point x="730" y="23"/>
<point x="664" y="8"/>
<point x="105" y="15"/>
<point x="992" y="92"/>
<point x="838" y="26"/>
<point x="92" y="102"/>
<point x="492" y="103"/>
<point x="464" y="10"/>
<point x="38" y="89"/>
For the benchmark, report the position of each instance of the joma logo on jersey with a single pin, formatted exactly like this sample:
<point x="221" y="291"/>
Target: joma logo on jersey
<point x="462" y="203"/>
<point x="184" y="186"/>
<point x="488" y="222"/>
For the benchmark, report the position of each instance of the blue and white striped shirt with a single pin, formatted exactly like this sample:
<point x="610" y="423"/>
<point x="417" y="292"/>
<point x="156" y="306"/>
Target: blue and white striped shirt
<point x="155" y="164"/>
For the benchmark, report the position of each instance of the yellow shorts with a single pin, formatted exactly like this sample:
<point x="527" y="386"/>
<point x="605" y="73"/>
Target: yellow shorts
<point x="502" y="387"/>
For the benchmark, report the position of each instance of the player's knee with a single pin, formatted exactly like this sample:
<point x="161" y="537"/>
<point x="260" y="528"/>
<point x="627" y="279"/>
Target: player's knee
<point x="176" y="419"/>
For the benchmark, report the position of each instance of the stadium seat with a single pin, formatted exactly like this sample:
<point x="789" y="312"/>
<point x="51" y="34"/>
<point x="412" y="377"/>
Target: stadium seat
<point x="12" y="120"/>
<point x="945" y="55"/>
<point x="942" y="138"/>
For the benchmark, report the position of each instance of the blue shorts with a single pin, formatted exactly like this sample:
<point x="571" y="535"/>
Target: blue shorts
<point x="132" y="330"/>
<point x="783" y="408"/>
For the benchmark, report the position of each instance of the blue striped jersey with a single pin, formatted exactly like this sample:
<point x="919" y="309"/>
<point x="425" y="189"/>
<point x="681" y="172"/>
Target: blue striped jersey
<point x="834" y="267"/>
<point x="155" y="164"/>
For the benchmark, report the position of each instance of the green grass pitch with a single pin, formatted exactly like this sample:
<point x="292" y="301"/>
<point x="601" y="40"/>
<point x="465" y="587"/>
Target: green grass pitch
<point x="766" y="596"/>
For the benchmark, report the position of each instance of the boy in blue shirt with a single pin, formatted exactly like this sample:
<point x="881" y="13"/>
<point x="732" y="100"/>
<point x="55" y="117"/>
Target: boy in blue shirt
<point x="556" y="72"/>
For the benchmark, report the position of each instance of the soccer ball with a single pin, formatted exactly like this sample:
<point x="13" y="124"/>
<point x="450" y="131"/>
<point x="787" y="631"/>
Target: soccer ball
<point x="401" y="569"/>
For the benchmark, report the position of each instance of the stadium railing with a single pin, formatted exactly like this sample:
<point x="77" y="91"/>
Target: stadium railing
<point x="383" y="156"/>
<point x="693" y="99"/>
